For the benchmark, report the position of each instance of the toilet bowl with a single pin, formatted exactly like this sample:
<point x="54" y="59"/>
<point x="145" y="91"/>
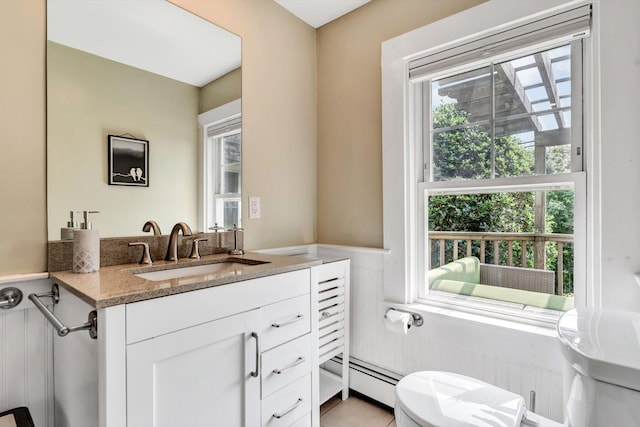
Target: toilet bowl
<point x="601" y="349"/>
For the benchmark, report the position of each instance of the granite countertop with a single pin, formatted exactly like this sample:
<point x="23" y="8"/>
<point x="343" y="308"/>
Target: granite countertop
<point x="117" y="284"/>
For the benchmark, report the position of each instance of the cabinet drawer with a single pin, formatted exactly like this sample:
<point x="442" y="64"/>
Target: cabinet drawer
<point x="151" y="318"/>
<point x="287" y="405"/>
<point x="284" y="364"/>
<point x="284" y="321"/>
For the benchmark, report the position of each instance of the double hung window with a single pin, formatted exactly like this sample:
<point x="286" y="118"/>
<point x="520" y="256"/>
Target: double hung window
<point x="223" y="169"/>
<point x="226" y="198"/>
<point x="499" y="124"/>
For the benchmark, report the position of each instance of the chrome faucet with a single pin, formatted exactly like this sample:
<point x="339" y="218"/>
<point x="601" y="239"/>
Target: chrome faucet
<point x="172" y="248"/>
<point x="151" y="224"/>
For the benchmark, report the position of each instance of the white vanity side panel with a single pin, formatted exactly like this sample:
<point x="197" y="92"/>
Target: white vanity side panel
<point x="151" y="318"/>
<point x="26" y="355"/>
<point x="76" y="366"/>
<point x="112" y="362"/>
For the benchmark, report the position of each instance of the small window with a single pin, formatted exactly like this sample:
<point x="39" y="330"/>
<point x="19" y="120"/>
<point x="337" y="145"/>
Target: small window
<point x="227" y="160"/>
<point x="222" y="176"/>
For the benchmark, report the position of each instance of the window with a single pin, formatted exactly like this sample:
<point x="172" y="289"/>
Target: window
<point x="507" y="119"/>
<point x="226" y="180"/>
<point x="494" y="153"/>
<point x="486" y="129"/>
<point x="222" y="204"/>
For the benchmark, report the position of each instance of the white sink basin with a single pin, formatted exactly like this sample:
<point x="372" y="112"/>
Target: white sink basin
<point x="196" y="270"/>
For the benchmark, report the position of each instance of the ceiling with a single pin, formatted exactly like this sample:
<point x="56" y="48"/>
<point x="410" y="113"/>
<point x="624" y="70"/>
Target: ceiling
<point x="319" y="12"/>
<point x="153" y="35"/>
<point x="159" y="37"/>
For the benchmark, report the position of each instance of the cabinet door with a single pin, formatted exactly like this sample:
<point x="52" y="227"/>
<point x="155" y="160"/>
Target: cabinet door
<point x="199" y="376"/>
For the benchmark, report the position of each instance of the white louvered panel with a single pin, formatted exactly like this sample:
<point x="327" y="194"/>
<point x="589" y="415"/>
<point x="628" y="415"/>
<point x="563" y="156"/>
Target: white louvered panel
<point x="26" y="356"/>
<point x="337" y="316"/>
<point x="332" y="310"/>
<point x="330" y="349"/>
<point x="335" y="301"/>
<point x="338" y="326"/>
<point x="331" y="271"/>
<point x="331" y="293"/>
<point x="333" y="326"/>
<point x="330" y="337"/>
<point x="333" y="283"/>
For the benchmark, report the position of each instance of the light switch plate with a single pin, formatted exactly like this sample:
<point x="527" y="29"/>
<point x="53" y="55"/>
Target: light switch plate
<point x="254" y="207"/>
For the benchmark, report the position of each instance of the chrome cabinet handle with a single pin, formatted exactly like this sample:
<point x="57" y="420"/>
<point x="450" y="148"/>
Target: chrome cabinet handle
<point x="257" y="371"/>
<point x="326" y="314"/>
<point x="282" y="414"/>
<point x="295" y="319"/>
<point x="299" y="361"/>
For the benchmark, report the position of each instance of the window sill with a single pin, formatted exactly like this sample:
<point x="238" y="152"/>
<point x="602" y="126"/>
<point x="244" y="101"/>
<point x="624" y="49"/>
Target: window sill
<point x="493" y="313"/>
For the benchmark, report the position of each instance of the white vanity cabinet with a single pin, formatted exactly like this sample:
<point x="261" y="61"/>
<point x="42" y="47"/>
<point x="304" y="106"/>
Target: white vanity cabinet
<point x="199" y="376"/>
<point x="233" y="355"/>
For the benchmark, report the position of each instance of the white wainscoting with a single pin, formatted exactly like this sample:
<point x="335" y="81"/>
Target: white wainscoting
<point x="26" y="353"/>
<point x="514" y="358"/>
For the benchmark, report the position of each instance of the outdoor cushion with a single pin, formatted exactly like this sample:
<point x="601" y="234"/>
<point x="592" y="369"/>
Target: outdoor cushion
<point x="465" y="269"/>
<point x="534" y="299"/>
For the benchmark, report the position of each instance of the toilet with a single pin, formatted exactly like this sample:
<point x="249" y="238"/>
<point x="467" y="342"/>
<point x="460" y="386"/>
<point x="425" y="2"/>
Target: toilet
<point x="601" y="350"/>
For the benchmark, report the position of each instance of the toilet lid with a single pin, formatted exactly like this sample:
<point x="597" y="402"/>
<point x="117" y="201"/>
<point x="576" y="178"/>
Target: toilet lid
<point x="434" y="398"/>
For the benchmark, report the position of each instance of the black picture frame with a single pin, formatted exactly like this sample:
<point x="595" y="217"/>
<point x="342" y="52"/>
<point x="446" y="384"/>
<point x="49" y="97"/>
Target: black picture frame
<point x="128" y="160"/>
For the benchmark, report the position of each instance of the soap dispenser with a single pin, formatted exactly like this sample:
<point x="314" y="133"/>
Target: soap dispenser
<point x="66" y="233"/>
<point x="86" y="247"/>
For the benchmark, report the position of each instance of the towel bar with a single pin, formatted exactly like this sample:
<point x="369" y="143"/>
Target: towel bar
<point x="417" y="319"/>
<point x="63" y="331"/>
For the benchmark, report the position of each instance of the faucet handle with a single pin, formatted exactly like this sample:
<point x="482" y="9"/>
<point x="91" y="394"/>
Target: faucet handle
<point x="195" y="251"/>
<point x="146" y="255"/>
<point x="236" y="250"/>
<point x="216" y="228"/>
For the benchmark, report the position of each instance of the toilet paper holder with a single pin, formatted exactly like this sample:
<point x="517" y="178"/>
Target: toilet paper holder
<point x="417" y="319"/>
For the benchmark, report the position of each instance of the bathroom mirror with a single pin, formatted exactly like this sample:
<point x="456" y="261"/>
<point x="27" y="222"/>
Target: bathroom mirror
<point x="139" y="70"/>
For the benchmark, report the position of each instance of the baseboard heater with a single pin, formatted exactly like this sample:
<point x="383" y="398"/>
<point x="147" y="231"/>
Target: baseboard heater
<point x="370" y="380"/>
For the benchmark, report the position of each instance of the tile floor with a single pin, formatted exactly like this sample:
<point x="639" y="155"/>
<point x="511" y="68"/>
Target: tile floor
<point x="355" y="412"/>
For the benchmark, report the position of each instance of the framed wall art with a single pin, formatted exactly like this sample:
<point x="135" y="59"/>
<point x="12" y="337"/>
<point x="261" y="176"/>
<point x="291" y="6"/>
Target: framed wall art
<point x="128" y="161"/>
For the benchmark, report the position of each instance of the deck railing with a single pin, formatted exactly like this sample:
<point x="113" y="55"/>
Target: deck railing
<point x="492" y="244"/>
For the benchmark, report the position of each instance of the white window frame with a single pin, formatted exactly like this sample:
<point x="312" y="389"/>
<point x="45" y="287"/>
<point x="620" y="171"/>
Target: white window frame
<point x="210" y="166"/>
<point x="404" y="270"/>
<point x="520" y="183"/>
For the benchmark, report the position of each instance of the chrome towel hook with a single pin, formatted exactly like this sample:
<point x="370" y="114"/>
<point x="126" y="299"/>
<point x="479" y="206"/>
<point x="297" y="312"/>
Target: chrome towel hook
<point x="63" y="331"/>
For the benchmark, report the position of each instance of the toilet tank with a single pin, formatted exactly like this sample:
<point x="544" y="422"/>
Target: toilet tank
<point x="601" y="348"/>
